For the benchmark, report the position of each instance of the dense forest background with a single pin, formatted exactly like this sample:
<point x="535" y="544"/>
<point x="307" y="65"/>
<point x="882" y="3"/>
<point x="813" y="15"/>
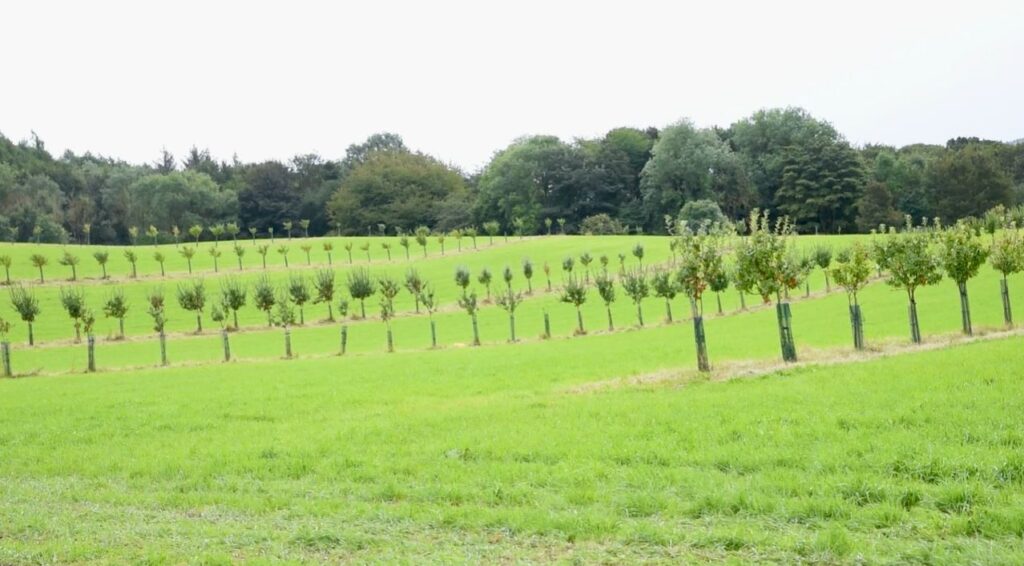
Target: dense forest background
<point x="781" y="159"/>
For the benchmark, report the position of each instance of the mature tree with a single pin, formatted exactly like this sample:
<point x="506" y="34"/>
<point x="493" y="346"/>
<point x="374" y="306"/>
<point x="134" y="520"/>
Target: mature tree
<point x="968" y="182"/>
<point x="268" y="195"/>
<point x="876" y="207"/>
<point x="822" y="181"/>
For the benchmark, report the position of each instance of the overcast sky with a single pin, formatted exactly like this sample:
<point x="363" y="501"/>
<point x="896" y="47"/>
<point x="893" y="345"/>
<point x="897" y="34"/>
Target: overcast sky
<point x="461" y="80"/>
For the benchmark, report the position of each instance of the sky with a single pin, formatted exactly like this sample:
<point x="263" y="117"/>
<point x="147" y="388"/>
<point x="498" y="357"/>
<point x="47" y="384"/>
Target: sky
<point x="461" y="80"/>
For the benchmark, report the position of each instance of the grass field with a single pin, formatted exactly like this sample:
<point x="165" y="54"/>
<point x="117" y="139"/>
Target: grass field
<point x="599" y="448"/>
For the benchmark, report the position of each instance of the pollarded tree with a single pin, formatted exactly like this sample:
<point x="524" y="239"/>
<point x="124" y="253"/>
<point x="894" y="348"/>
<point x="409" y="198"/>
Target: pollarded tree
<point x="462" y="278"/>
<point x="575" y="293"/>
<point x="133" y="259"/>
<point x="852" y="272"/>
<point x="622" y="264"/>
<point x="101" y="257"/>
<point x="306" y="248"/>
<point x="528" y="274"/>
<point x="603" y="260"/>
<point x="510" y="301"/>
<point x="192" y="297"/>
<point x="492" y="228"/>
<point x="365" y="247"/>
<point x="403" y="241"/>
<point x="160" y="258"/>
<point x="323" y="284"/>
<point x="264" y="298"/>
<point x="421" y="234"/>
<point x="389" y="289"/>
<point x="157" y="312"/>
<point x="215" y="253"/>
<point x="561" y="226"/>
<point x="117" y="307"/>
<point x="636" y="287"/>
<point x="910" y="263"/>
<point x="239" y="253"/>
<point x="823" y="259"/>
<point x="88" y="323"/>
<point x="547" y="225"/>
<point x="5" y="261"/>
<point x="188" y="252"/>
<point x="298" y="292"/>
<point x="361" y="287"/>
<point x="233" y="296"/>
<point x="767" y="265"/>
<point x="414" y="284"/>
<point x="585" y="260"/>
<point x="606" y="290"/>
<point x="283" y="250"/>
<point x="217" y="230"/>
<point x="1007" y="258"/>
<point x="176" y="233"/>
<point x="342" y="313"/>
<point x="69" y="259"/>
<point x="485" y="279"/>
<point x="263" y="250"/>
<point x="328" y="248"/>
<point x="39" y="261"/>
<point x="387" y="249"/>
<point x="231" y="229"/>
<point x="195" y="231"/>
<point x="429" y="302"/>
<point x="73" y="301"/>
<point x="700" y="263"/>
<point x="25" y="302"/>
<point x="665" y="286"/>
<point x="962" y="255"/>
<point x="468" y="303"/>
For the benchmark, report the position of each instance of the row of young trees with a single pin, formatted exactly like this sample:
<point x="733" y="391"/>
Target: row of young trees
<point x="781" y="158"/>
<point x="766" y="263"/>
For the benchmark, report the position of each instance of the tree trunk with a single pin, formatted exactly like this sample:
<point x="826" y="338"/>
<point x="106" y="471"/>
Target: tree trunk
<point x="287" y="342"/>
<point x="702" y="347"/>
<point x="668" y="310"/>
<point x="78" y="333"/>
<point x="302" y="316"/>
<point x="92" y="352"/>
<point x="965" y="309"/>
<point x="743" y="301"/>
<point x="718" y="297"/>
<point x="547" y="326"/>
<point x="5" y="356"/>
<point x="579" y="320"/>
<point x="1004" y="289"/>
<point x="433" y="333"/>
<point x="362" y="308"/>
<point x="235" y="313"/>
<point x="391" y="341"/>
<point x="640" y="314"/>
<point x="31" y="336"/>
<point x="120" y="326"/>
<point x="785" y="331"/>
<point x="199" y="323"/>
<point x="226" y="343"/>
<point x="828" y="284"/>
<point x="857" y="324"/>
<point x="330" y="311"/>
<point x="476" y="332"/>
<point x="611" y="326"/>
<point x="512" y="327"/>
<point x="416" y="299"/>
<point x="163" y="348"/>
<point x="915" y="326"/>
<point x="344" y="338"/>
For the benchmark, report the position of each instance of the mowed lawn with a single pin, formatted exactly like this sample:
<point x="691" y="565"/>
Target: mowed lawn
<point x="535" y="452"/>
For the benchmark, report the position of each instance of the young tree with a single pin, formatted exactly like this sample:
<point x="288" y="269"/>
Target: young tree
<point x="471" y="233"/>
<point x="852" y="272"/>
<point x="231" y="229"/>
<point x="192" y="297"/>
<point x="603" y="260"/>
<point x="101" y="257"/>
<point x="365" y="247"/>
<point x="389" y="289"/>
<point x="87" y="231"/>
<point x="1007" y="258"/>
<point x="414" y="284"/>
<point x="5" y="347"/>
<point x="718" y="284"/>
<point x="638" y="253"/>
<point x="88" y="322"/>
<point x="561" y="226"/>
<point x="606" y="290"/>
<point x="5" y="261"/>
<point x="962" y="254"/>
<point x="27" y="306"/>
<point x="484" y="278"/>
<point x="215" y="254"/>
<point x="160" y="258"/>
<point x="304" y="223"/>
<point x="73" y="301"/>
<point x="270" y="231"/>
<point x="153" y="233"/>
<point x="528" y="274"/>
<point x="665" y="286"/>
<point x="39" y="261"/>
<point x="287" y="225"/>
<point x="286" y="318"/>
<point x="403" y="241"/>
<point x="188" y="252"/>
<point x="547" y="225"/>
<point x="283" y="250"/>
<point x="361" y="287"/>
<point x="427" y="299"/>
<point x="328" y="248"/>
<point x="456" y="234"/>
<point x="239" y="253"/>
<point x="218" y="313"/>
<point x="263" y="297"/>
<point x="547" y="274"/>
<point x="766" y="264"/>
<point x="462" y="278"/>
<point x="233" y="296"/>
<point x="252" y="233"/>
<point x="298" y="292"/>
<point x="195" y="231"/>
<point x="133" y="235"/>
<point x="823" y="259"/>
<point x="510" y="301"/>
<point x="387" y="249"/>
<point x="700" y="263"/>
<point x="342" y="313"/>
<point x="507" y="275"/>
<point x="133" y="259"/>
<point x="585" y="260"/>
<point x="636" y="287"/>
<point x="440" y="240"/>
<point x="306" y="248"/>
<point x="519" y="226"/>
<point x="492" y="228"/>
<point x="622" y="264"/>
<point x="469" y="304"/>
<point x="575" y="293"/>
<point x="348" y="248"/>
<point x="176" y="233"/>
<point x="70" y="260"/>
<point x="323" y="284"/>
<point x="567" y="266"/>
<point x="156" y="311"/>
<point x="910" y="263"/>
<point x="117" y="307"/>
<point x="263" y="250"/>
<point x="421" y="238"/>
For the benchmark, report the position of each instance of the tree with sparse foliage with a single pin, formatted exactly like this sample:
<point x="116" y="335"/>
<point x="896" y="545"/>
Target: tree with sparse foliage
<point x="264" y="298"/>
<point x="510" y="301"/>
<point x="462" y="278"/>
<point x="133" y="259"/>
<point x="468" y="303"/>
<point x="215" y="253"/>
<point x="852" y="271"/>
<point x="428" y="300"/>
<point x="160" y="258"/>
<point x="239" y="253"/>
<point x="27" y="306"/>
<point x="73" y="301"/>
<point x="5" y="261"/>
<point x="389" y="289"/>
<point x="528" y="274"/>
<point x="361" y="287"/>
<point x="414" y="284"/>
<point x="69" y="259"/>
<point x="1007" y="258"/>
<point x="263" y="250"/>
<point x="700" y="264"/>
<point x="323" y="284"/>
<point x="233" y="294"/>
<point x="283" y="251"/>
<point x="634" y="283"/>
<point x="102" y="257"/>
<point x="575" y="293"/>
<point x="195" y="231"/>
<point x="188" y="252"/>
<point x="192" y="297"/>
<point x="117" y="307"/>
<point x="606" y="290"/>
<point x="492" y="228"/>
<point x="962" y="254"/>
<point x="421" y="234"/>
<point x="39" y="261"/>
<point x="298" y="292"/>
<point x="910" y="263"/>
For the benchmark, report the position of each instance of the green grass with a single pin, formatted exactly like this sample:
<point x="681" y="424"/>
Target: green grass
<point x="481" y="455"/>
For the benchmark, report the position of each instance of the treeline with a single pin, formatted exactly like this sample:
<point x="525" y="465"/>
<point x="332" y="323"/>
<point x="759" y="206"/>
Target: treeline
<point x="626" y="181"/>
